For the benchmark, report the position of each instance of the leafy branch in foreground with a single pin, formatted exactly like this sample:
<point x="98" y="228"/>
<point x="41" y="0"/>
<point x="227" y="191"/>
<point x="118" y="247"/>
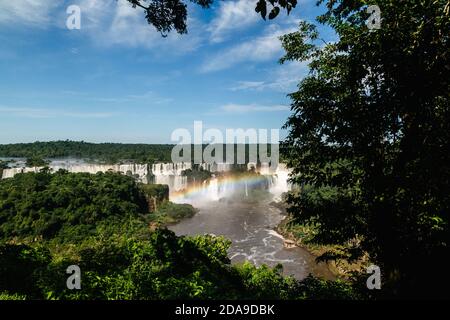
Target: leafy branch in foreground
<point x="168" y="15"/>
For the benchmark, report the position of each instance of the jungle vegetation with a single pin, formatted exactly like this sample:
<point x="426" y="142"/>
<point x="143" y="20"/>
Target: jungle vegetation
<point x="101" y="223"/>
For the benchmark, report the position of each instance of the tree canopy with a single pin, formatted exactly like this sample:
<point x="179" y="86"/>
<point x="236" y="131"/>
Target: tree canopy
<point x="66" y="205"/>
<point x="369" y="133"/>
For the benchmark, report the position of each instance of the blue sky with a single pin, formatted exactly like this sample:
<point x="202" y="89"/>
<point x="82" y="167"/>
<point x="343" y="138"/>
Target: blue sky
<point x="117" y="80"/>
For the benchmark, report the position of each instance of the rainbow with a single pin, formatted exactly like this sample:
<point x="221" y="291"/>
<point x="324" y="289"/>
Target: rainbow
<point x="217" y="184"/>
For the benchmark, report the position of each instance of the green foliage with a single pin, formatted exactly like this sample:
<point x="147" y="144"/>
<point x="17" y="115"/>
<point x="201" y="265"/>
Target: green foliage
<point x="169" y="212"/>
<point x="318" y="289"/>
<point x="7" y="296"/>
<point x="167" y="15"/>
<point x="162" y="267"/>
<point x="327" y="208"/>
<point x="197" y="175"/>
<point x="262" y="7"/>
<point x="266" y="283"/>
<point x="43" y="205"/>
<point x="105" y="152"/>
<point x="108" y="152"/>
<point x="21" y="268"/>
<point x="158" y="191"/>
<point x="369" y="134"/>
<point x="96" y="222"/>
<point x="3" y="165"/>
<point x="36" y="162"/>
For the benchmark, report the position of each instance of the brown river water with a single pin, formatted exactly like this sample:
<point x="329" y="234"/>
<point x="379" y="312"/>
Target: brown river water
<point x="250" y="227"/>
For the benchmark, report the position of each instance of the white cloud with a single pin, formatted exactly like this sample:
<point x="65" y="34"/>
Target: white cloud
<point x="129" y="27"/>
<point x="263" y="48"/>
<point x="247" y="108"/>
<point x="96" y="12"/>
<point x="106" y="22"/>
<point x="283" y="78"/>
<point x="36" y="13"/>
<point x="231" y="16"/>
<point x="49" y="113"/>
<point x="146" y="97"/>
<point x="248" y="85"/>
<point x="116" y="22"/>
<point x="149" y="96"/>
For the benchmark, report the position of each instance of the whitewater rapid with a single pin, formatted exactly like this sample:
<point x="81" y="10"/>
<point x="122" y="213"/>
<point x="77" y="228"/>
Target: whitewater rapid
<point x="250" y="227"/>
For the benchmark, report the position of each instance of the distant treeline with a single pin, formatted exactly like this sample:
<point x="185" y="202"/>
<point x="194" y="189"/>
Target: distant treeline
<point x="107" y="152"/>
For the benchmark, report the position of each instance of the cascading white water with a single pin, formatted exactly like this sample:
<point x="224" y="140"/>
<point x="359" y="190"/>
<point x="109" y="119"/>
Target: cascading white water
<point x="280" y="181"/>
<point x="211" y="192"/>
<point x="11" y="172"/>
<point x="265" y="169"/>
<point x="171" y="174"/>
<point x="216" y="167"/>
<point x="222" y="185"/>
<point x="138" y="171"/>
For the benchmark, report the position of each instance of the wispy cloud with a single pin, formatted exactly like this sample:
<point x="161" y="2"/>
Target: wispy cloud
<point x="105" y="22"/>
<point x="51" y="113"/>
<point x="149" y="96"/>
<point x="145" y="97"/>
<point x="232" y="16"/>
<point x="248" y="108"/>
<point x="283" y="78"/>
<point x="263" y="48"/>
<point x="248" y="85"/>
<point x="128" y="27"/>
<point x="36" y="13"/>
<point x="116" y="22"/>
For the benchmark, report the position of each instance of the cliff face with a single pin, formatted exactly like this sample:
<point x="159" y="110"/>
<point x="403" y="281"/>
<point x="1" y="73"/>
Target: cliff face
<point x="155" y="194"/>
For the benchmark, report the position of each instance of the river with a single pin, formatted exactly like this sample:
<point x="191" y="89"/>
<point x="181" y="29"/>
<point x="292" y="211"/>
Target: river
<point x="250" y="227"/>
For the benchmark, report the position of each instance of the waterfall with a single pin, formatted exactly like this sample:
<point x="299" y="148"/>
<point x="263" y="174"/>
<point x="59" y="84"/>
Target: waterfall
<point x="219" y="186"/>
<point x="11" y="172"/>
<point x="212" y="192"/>
<point x="264" y="169"/>
<point x="216" y="167"/>
<point x="171" y="175"/>
<point x="139" y="171"/>
<point x="280" y="182"/>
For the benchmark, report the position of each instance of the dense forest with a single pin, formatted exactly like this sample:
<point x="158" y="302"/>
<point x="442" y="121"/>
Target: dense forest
<point x="65" y="205"/>
<point x="106" y="152"/>
<point x="101" y="223"/>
